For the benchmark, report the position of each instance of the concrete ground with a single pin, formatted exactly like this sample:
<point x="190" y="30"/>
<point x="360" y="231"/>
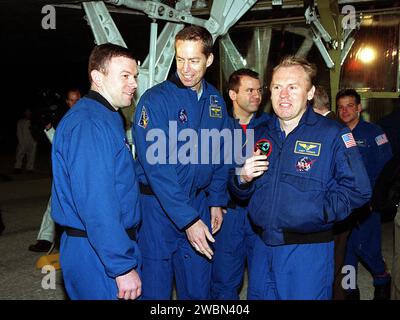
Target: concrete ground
<point x="23" y="200"/>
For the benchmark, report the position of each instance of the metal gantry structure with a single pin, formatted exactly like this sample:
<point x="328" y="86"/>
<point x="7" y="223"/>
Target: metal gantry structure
<point x="331" y="30"/>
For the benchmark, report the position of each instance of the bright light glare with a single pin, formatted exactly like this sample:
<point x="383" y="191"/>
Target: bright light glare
<point x="367" y="55"/>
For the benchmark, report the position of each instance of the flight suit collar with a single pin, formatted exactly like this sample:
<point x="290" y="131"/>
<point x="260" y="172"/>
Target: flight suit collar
<point x="94" y="95"/>
<point x="175" y="80"/>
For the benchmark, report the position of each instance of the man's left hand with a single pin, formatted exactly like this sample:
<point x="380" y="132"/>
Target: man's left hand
<point x="216" y="219"/>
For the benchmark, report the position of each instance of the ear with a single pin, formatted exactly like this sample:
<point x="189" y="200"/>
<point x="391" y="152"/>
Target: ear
<point x="359" y="107"/>
<point x="232" y="95"/>
<point x="310" y="93"/>
<point x="210" y="60"/>
<point x="97" y="77"/>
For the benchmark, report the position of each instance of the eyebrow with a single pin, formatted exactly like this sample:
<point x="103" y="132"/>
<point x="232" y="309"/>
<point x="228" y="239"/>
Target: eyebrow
<point x="127" y="71"/>
<point x="289" y="84"/>
<point x="192" y="58"/>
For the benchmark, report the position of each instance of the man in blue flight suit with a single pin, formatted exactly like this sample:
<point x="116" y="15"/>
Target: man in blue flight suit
<point x="364" y="241"/>
<point x="313" y="177"/>
<point x="234" y="242"/>
<point x="390" y="125"/>
<point x="95" y="191"/>
<point x="182" y="188"/>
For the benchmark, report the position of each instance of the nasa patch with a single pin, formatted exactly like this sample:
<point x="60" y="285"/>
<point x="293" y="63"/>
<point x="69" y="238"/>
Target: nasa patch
<point x="182" y="116"/>
<point x="304" y="164"/>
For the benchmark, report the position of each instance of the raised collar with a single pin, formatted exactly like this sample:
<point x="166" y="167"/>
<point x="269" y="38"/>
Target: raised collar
<point x="94" y="95"/>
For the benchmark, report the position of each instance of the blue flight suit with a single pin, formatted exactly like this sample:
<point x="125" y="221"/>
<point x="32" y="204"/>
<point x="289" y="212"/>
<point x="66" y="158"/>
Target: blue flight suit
<point x="364" y="241"/>
<point x="95" y="190"/>
<point x="235" y="240"/>
<point x="390" y="125"/>
<point x="181" y="177"/>
<point x="315" y="177"/>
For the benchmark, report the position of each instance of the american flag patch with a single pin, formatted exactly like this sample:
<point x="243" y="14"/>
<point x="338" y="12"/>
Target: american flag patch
<point x="348" y="140"/>
<point x="381" y="139"/>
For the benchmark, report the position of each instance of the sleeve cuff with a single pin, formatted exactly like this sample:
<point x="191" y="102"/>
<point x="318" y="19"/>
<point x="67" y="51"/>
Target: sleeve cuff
<point x="242" y="185"/>
<point x="191" y="223"/>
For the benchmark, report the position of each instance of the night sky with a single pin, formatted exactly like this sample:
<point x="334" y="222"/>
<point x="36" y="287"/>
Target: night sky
<point x="35" y="60"/>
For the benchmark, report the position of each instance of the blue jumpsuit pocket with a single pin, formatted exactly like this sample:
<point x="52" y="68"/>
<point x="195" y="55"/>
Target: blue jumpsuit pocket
<point x="302" y="200"/>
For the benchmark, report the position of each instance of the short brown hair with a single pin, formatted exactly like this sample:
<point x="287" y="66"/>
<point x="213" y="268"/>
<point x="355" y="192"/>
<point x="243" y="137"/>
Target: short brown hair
<point x="235" y="77"/>
<point x="348" y="93"/>
<point x="321" y="99"/>
<point x="101" y="56"/>
<point x="291" y="61"/>
<point x="196" y="33"/>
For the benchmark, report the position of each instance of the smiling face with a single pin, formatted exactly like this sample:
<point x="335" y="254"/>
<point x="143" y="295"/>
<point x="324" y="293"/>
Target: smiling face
<point x="349" y="111"/>
<point x="191" y="62"/>
<point x="117" y="84"/>
<point x="290" y="91"/>
<point x="247" y="99"/>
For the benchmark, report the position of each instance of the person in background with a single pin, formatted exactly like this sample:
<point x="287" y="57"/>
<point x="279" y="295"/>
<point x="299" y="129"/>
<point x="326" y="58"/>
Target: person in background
<point x="390" y="125"/>
<point x="364" y="241"/>
<point x="234" y="242"/>
<point x="27" y="143"/>
<point x="47" y="231"/>
<point x="321" y="103"/>
<point x="95" y="190"/>
<point x="341" y="230"/>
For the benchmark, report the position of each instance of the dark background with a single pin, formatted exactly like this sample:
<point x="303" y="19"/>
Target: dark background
<point x="35" y="60"/>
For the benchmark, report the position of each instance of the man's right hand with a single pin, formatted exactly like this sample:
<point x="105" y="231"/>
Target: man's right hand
<point x="199" y="235"/>
<point x="254" y="167"/>
<point x="129" y="285"/>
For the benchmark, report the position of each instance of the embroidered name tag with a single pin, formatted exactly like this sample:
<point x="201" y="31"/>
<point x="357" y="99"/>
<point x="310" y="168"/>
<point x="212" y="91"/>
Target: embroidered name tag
<point x="307" y="148"/>
<point x="215" y="111"/>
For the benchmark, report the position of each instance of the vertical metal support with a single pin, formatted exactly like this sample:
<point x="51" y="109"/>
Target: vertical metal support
<point x="334" y="76"/>
<point x="257" y="56"/>
<point x="152" y="52"/>
<point x="331" y="20"/>
<point x="258" y="50"/>
<point x="398" y="62"/>
<point x="163" y="58"/>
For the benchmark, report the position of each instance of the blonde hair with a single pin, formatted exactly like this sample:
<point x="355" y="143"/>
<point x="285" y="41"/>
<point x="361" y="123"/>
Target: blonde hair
<point x="291" y="61"/>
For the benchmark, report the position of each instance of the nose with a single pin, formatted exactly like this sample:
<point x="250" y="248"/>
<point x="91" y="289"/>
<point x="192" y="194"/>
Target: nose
<point x="133" y="83"/>
<point x="283" y="93"/>
<point x="186" y="66"/>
